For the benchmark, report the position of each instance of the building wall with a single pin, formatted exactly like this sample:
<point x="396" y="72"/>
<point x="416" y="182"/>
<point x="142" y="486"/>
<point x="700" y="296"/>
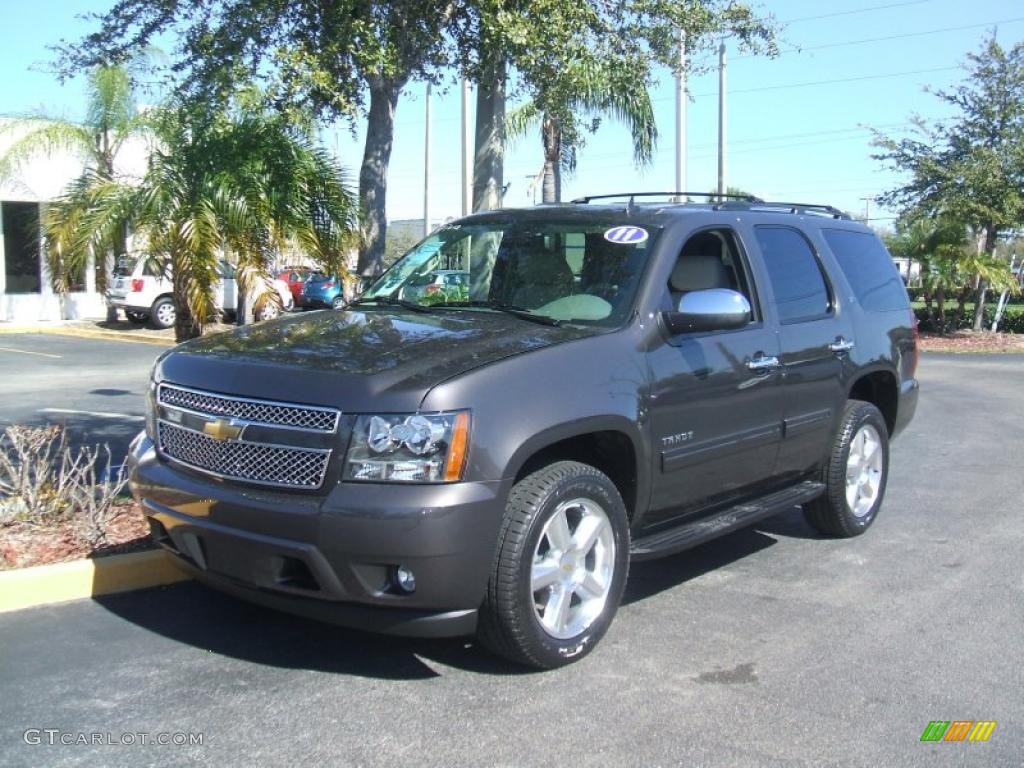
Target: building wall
<point x="41" y="179"/>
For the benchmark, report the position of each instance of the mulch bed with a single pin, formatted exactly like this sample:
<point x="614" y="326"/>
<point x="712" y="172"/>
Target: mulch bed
<point x="23" y="545"/>
<point x="973" y="341"/>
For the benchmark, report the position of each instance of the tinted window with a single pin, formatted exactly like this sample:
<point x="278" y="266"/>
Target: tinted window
<point x="800" y="291"/>
<point x="869" y="269"/>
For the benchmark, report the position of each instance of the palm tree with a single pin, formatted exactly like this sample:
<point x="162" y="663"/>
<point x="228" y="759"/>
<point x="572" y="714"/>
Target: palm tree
<point x="215" y="186"/>
<point x="110" y="120"/>
<point x="572" y="105"/>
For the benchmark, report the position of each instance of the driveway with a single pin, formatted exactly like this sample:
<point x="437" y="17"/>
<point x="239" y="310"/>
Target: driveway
<point x="769" y="647"/>
<point x="95" y="388"/>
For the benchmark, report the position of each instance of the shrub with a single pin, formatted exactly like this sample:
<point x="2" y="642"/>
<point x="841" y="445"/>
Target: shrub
<point x="1012" y="322"/>
<point x="43" y="480"/>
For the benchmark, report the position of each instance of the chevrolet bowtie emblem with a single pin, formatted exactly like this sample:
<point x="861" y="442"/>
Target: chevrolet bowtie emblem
<point x="221" y="430"/>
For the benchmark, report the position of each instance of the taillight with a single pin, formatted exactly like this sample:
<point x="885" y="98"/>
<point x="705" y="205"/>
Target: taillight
<point x="433" y="288"/>
<point x="138" y="285"/>
<point x="329" y="284"/>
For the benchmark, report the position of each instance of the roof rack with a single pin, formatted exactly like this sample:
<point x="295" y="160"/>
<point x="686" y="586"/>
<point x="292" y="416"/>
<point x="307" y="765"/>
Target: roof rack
<point x="811" y="208"/>
<point x="631" y="195"/>
<point x="731" y="202"/>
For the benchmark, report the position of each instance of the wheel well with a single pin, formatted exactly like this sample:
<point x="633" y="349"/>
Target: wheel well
<point x="878" y="388"/>
<point x="610" y="452"/>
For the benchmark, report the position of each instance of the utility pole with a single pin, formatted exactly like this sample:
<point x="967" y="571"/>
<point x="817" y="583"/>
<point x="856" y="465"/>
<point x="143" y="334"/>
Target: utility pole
<point x="467" y="143"/>
<point x="681" y="117"/>
<point x="722" y="117"/>
<point x="867" y="209"/>
<point x="426" y="165"/>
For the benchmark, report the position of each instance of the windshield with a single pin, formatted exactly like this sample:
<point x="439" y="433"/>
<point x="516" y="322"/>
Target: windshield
<point x="569" y="271"/>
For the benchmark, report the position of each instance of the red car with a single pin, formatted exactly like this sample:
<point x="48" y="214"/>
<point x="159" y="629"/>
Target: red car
<point x="295" y="277"/>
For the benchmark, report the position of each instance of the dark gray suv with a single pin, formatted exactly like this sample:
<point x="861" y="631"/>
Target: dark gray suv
<point x="618" y="381"/>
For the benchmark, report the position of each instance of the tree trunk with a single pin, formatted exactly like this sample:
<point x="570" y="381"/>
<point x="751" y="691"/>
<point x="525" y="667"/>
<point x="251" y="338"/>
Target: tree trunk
<point x="373" y="175"/>
<point x="185" y="326"/>
<point x="552" y="136"/>
<point x="489" y="163"/>
<point x="979" y="296"/>
<point x="940" y="301"/>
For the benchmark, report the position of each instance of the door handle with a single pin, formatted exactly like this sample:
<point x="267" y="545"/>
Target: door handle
<point x="763" y="363"/>
<point x="840" y="345"/>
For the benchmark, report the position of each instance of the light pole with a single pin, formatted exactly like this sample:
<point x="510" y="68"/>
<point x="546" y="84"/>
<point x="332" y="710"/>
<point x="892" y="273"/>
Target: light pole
<point x="681" y="117"/>
<point x="722" y="118"/>
<point x="426" y="165"/>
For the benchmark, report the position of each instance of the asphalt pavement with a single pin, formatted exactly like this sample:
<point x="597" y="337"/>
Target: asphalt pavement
<point x="94" y="388"/>
<point x="771" y="646"/>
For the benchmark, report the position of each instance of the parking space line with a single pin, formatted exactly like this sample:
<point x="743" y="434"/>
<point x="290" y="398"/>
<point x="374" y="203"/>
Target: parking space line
<point x="96" y="414"/>
<point x="26" y="352"/>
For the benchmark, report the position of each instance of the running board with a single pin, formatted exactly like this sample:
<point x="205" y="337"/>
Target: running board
<point x="730" y="519"/>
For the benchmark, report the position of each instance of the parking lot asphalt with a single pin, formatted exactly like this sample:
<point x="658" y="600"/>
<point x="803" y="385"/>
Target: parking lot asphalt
<point x="94" y="388"/>
<point x="771" y="646"/>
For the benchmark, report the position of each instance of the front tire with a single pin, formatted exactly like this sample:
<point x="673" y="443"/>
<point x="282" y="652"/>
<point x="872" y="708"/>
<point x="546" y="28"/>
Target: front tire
<point x="855" y="474"/>
<point x="560" y="568"/>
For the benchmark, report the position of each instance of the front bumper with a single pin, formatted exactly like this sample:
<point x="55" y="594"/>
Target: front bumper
<point x="330" y="557"/>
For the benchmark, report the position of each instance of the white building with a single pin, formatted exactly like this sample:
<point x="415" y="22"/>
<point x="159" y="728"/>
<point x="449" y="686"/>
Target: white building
<point x="26" y="293"/>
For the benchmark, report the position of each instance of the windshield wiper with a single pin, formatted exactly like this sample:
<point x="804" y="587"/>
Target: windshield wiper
<point x="390" y="301"/>
<point x="509" y="309"/>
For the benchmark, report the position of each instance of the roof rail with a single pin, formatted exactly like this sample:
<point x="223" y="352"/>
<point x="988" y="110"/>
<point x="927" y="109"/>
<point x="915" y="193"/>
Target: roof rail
<point x="731" y="202"/>
<point x="812" y="208"/>
<point x="631" y="195"/>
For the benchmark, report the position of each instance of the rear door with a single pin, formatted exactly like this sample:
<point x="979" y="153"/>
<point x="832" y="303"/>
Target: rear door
<point x="814" y="341"/>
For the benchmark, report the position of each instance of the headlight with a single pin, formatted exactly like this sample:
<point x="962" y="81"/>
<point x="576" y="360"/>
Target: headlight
<point x="409" y="448"/>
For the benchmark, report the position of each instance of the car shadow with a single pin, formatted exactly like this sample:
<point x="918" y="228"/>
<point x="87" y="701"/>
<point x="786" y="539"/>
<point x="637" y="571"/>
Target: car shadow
<point x="195" y="615"/>
<point x="648" y="578"/>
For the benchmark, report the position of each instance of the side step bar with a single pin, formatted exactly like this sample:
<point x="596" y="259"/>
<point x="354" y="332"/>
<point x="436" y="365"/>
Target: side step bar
<point x="730" y="519"/>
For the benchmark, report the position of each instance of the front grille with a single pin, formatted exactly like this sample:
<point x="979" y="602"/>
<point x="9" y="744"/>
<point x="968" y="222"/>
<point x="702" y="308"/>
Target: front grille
<point x="306" y="417"/>
<point x="260" y="463"/>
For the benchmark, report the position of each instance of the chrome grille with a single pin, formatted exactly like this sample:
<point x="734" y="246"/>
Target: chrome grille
<point x="307" y="417"/>
<point x="260" y="463"/>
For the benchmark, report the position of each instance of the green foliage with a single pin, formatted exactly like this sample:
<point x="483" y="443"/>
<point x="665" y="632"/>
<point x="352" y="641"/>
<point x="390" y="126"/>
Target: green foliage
<point x="324" y="59"/>
<point x="216" y="184"/>
<point x="455" y="293"/>
<point x="969" y="168"/>
<point x="1012" y="322"/>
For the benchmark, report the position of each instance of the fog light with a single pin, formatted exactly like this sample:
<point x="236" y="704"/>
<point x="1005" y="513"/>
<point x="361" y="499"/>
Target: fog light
<point x="405" y="580"/>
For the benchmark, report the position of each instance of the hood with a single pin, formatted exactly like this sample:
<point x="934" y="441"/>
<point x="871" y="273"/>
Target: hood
<point x="377" y="359"/>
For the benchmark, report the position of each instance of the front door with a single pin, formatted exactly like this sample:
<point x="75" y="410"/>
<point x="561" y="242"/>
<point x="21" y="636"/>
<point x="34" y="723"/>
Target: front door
<point x="715" y="405"/>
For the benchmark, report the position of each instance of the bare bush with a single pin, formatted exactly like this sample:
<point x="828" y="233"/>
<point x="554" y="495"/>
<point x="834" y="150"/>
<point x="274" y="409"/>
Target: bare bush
<point x="95" y="495"/>
<point x="42" y="480"/>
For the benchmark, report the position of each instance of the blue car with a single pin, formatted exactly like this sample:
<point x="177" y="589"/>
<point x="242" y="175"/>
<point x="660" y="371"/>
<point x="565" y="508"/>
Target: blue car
<point x="322" y="291"/>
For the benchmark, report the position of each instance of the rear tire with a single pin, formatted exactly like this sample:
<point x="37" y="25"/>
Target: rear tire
<point x="338" y="302"/>
<point x="855" y="474"/>
<point x="560" y="568"/>
<point x="163" y="313"/>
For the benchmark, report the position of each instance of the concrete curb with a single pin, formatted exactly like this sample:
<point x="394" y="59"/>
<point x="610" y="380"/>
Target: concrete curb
<point x="46" y="584"/>
<point x="84" y="333"/>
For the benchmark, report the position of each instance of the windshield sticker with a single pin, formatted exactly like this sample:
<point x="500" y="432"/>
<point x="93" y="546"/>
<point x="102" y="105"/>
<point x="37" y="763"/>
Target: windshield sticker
<point x="626" y="235"/>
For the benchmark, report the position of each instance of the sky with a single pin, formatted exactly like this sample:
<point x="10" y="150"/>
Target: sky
<point x="798" y="125"/>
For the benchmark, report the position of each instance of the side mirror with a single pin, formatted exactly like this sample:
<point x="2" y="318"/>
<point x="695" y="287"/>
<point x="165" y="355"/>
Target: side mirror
<point x="716" y="309"/>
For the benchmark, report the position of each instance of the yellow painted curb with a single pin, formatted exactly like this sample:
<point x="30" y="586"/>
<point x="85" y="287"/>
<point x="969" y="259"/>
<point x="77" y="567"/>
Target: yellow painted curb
<point x="45" y="584"/>
<point x="83" y="333"/>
